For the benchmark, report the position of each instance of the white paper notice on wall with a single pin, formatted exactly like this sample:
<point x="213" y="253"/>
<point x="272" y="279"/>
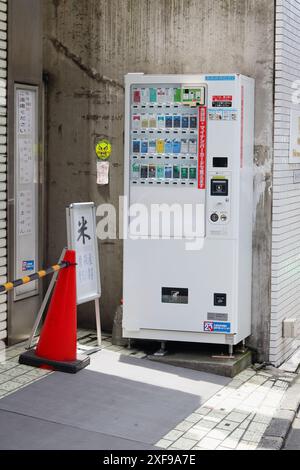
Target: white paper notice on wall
<point x="26" y="159"/>
<point x="26" y="187"/>
<point x="102" y="173"/>
<point x="25" y="222"/>
<point x="295" y="136"/>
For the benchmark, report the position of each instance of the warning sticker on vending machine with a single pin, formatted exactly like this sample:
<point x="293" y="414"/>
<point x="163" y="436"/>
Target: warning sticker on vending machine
<point x="202" y="147"/>
<point x="223" y="101"/>
<point x="217" y="327"/>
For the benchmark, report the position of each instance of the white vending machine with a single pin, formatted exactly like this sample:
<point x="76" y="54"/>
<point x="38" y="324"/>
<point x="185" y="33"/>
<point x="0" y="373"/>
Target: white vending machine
<point x="188" y="207"/>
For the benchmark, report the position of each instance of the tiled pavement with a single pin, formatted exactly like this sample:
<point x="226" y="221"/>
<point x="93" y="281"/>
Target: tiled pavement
<point x="234" y="418"/>
<point x="14" y="376"/>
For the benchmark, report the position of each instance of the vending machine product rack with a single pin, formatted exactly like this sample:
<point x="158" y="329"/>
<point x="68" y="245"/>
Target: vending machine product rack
<point x="164" y="136"/>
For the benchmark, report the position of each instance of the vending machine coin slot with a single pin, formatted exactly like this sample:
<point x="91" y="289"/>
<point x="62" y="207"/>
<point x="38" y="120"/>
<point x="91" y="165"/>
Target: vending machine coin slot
<point x="219" y="187"/>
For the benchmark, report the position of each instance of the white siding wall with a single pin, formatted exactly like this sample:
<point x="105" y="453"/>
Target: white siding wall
<point x="3" y="133"/>
<point x="286" y="193"/>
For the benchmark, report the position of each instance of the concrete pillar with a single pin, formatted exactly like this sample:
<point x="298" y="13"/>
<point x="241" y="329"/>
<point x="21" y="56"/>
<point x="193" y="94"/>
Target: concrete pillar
<point x="88" y="47"/>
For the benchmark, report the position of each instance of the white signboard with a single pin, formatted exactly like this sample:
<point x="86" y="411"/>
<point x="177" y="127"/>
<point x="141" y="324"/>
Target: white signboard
<point x="26" y="187"/>
<point x="295" y="137"/>
<point x="81" y="225"/>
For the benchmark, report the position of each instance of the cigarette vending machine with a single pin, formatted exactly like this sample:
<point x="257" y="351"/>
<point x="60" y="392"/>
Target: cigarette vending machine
<point x="188" y="165"/>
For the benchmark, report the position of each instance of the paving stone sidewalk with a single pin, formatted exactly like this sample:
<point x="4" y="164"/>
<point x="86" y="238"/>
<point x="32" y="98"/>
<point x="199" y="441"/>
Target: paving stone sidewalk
<point x="236" y="418"/>
<point x="283" y="430"/>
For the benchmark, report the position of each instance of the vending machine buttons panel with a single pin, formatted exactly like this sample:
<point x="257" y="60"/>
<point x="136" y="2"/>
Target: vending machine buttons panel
<point x="219" y="199"/>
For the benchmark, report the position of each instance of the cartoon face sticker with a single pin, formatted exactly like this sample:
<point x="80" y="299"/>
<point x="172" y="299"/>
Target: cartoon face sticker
<point x="103" y="149"/>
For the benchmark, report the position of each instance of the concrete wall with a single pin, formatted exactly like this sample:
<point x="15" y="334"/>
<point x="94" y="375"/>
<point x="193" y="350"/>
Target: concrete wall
<point x="286" y="205"/>
<point x="89" y="45"/>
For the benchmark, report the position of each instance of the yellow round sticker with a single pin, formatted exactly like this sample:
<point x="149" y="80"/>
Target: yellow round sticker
<point x="103" y="149"/>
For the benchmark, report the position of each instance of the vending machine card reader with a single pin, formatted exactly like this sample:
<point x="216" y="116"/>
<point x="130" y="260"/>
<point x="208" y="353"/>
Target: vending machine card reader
<point x="188" y="167"/>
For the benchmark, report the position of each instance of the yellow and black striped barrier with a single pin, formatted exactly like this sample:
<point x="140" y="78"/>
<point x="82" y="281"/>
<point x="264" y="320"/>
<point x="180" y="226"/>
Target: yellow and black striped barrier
<point x="34" y="277"/>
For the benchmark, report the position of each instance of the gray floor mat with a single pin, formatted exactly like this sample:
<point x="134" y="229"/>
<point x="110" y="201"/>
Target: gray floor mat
<point x="18" y="432"/>
<point x="101" y="403"/>
<point x="122" y="398"/>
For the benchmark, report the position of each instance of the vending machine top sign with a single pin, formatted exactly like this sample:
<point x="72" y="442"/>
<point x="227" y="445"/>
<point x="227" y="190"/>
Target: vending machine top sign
<point x="193" y="95"/>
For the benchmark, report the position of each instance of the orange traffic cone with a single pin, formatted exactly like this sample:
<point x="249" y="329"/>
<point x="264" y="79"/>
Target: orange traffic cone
<point x="56" y="348"/>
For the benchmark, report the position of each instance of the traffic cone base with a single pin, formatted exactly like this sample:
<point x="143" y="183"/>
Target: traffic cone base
<point x="29" y="358"/>
<point x="56" y="348"/>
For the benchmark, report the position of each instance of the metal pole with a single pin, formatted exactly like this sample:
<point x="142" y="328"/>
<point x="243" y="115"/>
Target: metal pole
<point x="98" y="322"/>
<point x="44" y="304"/>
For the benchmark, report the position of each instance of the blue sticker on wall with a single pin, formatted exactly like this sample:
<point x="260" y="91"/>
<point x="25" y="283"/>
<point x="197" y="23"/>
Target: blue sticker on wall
<point x="217" y="327"/>
<point x="28" y="265"/>
<point x="214" y="78"/>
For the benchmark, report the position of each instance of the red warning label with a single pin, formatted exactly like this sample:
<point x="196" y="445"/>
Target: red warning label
<point x="202" y="139"/>
<point x="222" y="101"/>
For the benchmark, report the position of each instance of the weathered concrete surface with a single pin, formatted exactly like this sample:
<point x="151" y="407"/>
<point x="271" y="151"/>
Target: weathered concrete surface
<point x="89" y="46"/>
<point x="205" y="362"/>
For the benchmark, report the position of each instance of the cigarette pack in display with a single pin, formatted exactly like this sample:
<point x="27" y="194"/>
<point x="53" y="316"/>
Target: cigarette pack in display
<point x="144" y="121"/>
<point x="136" y="122"/>
<point x="160" y="146"/>
<point x="160" y="171"/>
<point x="184" y="146"/>
<point x="161" y="122"/>
<point x="193" y="146"/>
<point x="144" y="171"/>
<point x="152" y="171"/>
<point x="136" y="146"/>
<point x="168" y="146"/>
<point x="152" y="147"/>
<point x="176" y="146"/>
<point x="135" y="170"/>
<point x="153" y="95"/>
<point x="144" y="146"/>
<point x="168" y="171"/>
